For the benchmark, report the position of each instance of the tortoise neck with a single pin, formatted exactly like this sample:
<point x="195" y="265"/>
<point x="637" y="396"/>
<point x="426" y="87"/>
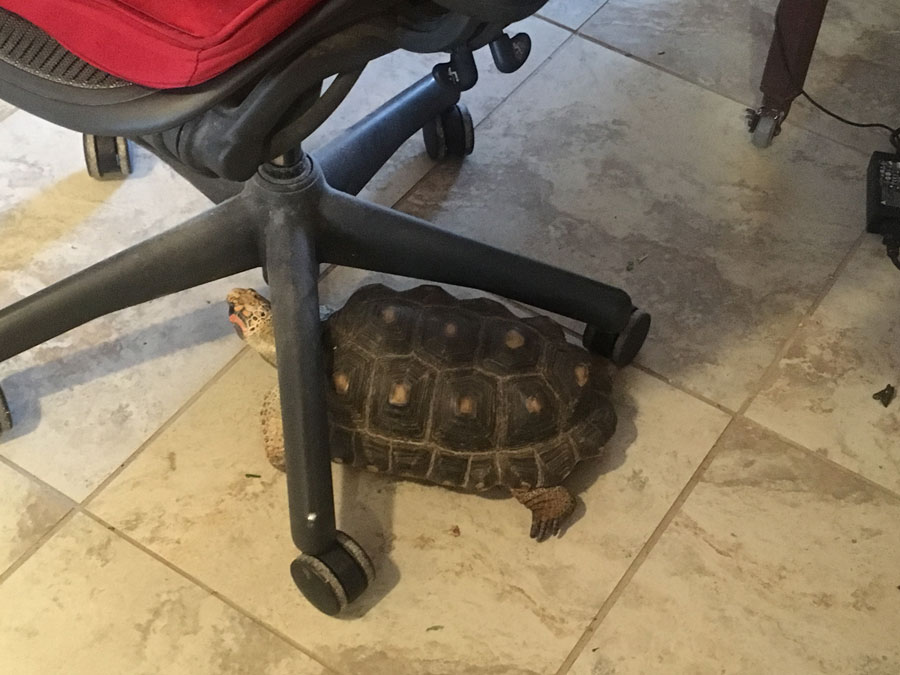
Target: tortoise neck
<point x="263" y="342"/>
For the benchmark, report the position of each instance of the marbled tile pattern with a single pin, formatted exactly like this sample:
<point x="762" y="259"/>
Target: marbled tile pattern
<point x="600" y="164"/>
<point x="778" y="563"/>
<point x="27" y="512"/>
<point x="89" y="602"/>
<point x="487" y="587"/>
<point x="768" y="558"/>
<point x="723" y="44"/>
<point x="821" y="393"/>
<point x="82" y="403"/>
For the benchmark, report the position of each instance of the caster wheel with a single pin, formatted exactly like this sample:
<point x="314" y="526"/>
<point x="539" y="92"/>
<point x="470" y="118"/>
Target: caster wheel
<point x="450" y="134"/>
<point x="6" y="422"/>
<point x="623" y="347"/>
<point x="765" y="130"/>
<point x="107" y="157"/>
<point x="334" y="579"/>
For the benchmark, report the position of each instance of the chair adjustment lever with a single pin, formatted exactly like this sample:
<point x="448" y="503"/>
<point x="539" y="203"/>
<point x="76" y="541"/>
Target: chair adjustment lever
<point x="461" y="72"/>
<point x="511" y="53"/>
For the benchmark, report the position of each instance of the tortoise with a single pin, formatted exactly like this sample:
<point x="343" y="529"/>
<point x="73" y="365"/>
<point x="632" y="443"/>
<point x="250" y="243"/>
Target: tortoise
<point x="461" y="393"/>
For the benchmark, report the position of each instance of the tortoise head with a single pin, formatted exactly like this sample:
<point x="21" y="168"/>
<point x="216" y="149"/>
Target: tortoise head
<point x="251" y="315"/>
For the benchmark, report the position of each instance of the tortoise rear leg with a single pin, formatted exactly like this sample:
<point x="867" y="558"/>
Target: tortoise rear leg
<point x="273" y="430"/>
<point x="550" y="506"/>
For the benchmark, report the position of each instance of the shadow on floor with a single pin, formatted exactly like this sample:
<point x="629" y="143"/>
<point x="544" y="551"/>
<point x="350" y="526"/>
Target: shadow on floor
<point x="25" y="388"/>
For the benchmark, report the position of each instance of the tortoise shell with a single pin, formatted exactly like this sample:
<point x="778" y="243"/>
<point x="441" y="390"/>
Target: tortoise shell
<point x="461" y="393"/>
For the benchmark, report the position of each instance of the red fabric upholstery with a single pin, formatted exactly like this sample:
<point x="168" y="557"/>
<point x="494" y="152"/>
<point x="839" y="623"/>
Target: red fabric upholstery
<point x="162" y="43"/>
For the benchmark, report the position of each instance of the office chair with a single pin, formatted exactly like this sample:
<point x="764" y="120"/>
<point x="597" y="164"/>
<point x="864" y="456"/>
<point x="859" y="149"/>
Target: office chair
<point x="226" y="91"/>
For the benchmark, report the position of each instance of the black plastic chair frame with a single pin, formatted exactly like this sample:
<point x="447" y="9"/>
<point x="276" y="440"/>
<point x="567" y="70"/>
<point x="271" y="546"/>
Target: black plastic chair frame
<point x="292" y="215"/>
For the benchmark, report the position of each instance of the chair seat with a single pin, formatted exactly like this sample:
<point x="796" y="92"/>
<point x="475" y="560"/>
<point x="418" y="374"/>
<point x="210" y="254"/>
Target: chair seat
<point x="160" y="43"/>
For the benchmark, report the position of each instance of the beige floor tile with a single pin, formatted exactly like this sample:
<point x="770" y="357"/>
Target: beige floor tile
<point x="600" y="164"/>
<point x="777" y="563"/>
<point x="89" y="602"/>
<point x="84" y="402"/>
<point x="571" y="13"/>
<point x="723" y="44"/>
<point x="27" y="512"/>
<point x="821" y="393"/>
<point x="6" y="110"/>
<point x="461" y="586"/>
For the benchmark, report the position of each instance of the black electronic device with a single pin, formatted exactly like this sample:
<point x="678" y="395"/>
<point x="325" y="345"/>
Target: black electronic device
<point x="883" y="203"/>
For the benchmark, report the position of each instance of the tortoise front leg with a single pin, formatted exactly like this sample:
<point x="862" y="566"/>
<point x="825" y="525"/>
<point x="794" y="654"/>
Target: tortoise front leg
<point x="549" y="506"/>
<point x="273" y="428"/>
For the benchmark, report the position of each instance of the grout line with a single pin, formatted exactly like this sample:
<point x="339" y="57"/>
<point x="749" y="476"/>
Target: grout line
<point x="36" y="546"/>
<point x="435" y="165"/>
<point x="642" y="555"/>
<point x="197" y="582"/>
<point x="554" y="22"/>
<point x="801" y="104"/>
<point x="788" y="123"/>
<point x="771" y="371"/>
<point x="218" y="375"/>
<point x="165" y="426"/>
<point x="74" y="506"/>
<point x="620" y="587"/>
<point x="327" y="272"/>
<point x="57" y="494"/>
<point x="579" y="26"/>
<point x="895" y="494"/>
<point x="684" y="390"/>
<point x="639" y="59"/>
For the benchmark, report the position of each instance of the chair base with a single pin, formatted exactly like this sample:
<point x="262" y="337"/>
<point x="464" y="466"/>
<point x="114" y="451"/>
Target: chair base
<point x="289" y="220"/>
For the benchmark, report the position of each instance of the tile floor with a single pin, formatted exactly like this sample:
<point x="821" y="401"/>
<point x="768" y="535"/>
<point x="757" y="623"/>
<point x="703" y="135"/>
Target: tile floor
<point x="746" y="517"/>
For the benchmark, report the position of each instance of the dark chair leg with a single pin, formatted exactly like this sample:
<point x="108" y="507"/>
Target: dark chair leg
<point x="333" y="570"/>
<point x="293" y="272"/>
<point x="797" y="24"/>
<point x="215" y="244"/>
<point x="359" y="234"/>
<point x="350" y="161"/>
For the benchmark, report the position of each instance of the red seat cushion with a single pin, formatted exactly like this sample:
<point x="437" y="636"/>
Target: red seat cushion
<point x="162" y="43"/>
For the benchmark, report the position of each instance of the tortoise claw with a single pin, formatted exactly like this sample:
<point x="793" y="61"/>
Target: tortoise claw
<point x="549" y="507"/>
<point x="541" y="530"/>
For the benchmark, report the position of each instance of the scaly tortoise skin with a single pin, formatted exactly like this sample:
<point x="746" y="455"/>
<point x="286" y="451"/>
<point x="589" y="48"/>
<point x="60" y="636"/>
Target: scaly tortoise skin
<point x="461" y="393"/>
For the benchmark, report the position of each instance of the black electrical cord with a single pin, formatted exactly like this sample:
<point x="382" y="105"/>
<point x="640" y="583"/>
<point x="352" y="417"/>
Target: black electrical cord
<point x="894" y="132"/>
<point x="891" y="240"/>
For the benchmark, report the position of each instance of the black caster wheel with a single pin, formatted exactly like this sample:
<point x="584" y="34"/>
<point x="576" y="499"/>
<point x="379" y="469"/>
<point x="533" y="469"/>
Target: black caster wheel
<point x="6" y="422"/>
<point x="334" y="579"/>
<point x="107" y="157"/>
<point x="620" y="348"/>
<point x="450" y="134"/>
